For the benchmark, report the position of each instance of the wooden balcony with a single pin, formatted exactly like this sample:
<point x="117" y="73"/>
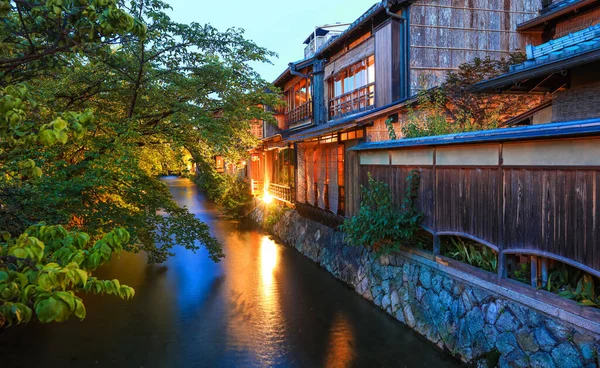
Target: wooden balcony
<point x="360" y="99"/>
<point x="301" y="113"/>
<point x="256" y="187"/>
<point x="281" y="192"/>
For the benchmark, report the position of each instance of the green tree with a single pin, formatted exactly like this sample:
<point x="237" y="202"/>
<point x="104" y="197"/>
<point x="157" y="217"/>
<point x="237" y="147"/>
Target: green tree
<point x="452" y="108"/>
<point x="42" y="269"/>
<point x="91" y="91"/>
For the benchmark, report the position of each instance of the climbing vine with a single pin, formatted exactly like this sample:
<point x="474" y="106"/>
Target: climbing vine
<point x="379" y="223"/>
<point x="390" y="128"/>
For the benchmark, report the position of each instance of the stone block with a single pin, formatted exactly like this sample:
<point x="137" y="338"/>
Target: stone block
<point x="544" y="339"/>
<point x="507" y="322"/>
<point x="425" y="277"/>
<point x="566" y="356"/>
<point x="541" y="360"/>
<point x="527" y="341"/>
<point x="475" y="320"/>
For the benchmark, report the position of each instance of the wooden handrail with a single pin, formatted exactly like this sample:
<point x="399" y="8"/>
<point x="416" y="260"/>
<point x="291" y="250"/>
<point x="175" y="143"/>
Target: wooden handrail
<point x="360" y="99"/>
<point x="281" y="192"/>
<point x="302" y="112"/>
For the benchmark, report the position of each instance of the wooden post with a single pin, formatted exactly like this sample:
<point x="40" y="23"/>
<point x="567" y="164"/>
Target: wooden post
<point x="436" y="238"/>
<point x="544" y="272"/>
<point x="501" y="204"/>
<point x="534" y="271"/>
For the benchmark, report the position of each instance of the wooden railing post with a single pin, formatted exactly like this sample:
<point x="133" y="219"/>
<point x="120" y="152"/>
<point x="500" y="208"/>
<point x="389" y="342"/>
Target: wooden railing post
<point x="436" y="237"/>
<point x="502" y="273"/>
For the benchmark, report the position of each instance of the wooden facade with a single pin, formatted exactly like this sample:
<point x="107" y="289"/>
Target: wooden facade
<point x="533" y="197"/>
<point x="447" y="33"/>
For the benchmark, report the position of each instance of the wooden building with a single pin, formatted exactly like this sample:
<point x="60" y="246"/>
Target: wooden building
<point x="373" y="69"/>
<point x="564" y="63"/>
<point x="529" y="192"/>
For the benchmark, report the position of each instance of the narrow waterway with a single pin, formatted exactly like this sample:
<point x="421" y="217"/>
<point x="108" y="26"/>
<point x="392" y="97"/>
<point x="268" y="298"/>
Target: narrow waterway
<point x="264" y="305"/>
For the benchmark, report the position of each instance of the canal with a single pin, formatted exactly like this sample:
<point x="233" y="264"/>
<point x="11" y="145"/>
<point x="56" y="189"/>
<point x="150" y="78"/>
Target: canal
<point x="264" y="305"/>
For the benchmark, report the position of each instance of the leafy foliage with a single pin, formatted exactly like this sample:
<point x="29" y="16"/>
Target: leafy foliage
<point x="572" y="283"/>
<point x="97" y="97"/>
<point x="379" y="223"/>
<point x="274" y="211"/>
<point x="42" y="270"/>
<point x="390" y="127"/>
<point x="236" y="198"/>
<point x="452" y="108"/>
<point x="472" y="253"/>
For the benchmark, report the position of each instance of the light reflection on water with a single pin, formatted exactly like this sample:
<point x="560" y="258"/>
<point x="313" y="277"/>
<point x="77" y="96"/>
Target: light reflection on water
<point x="263" y="305"/>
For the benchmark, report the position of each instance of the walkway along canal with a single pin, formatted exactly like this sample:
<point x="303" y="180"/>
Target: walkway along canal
<point x="264" y="305"/>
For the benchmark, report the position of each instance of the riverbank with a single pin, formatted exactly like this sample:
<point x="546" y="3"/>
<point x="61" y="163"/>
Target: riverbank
<point x="475" y="320"/>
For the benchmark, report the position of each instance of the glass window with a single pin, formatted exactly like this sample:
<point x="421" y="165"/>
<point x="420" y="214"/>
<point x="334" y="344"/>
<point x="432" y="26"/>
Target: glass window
<point x="371" y="70"/>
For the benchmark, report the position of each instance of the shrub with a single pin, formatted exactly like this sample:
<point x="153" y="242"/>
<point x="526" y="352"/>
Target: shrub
<point x="236" y="197"/>
<point x="381" y="224"/>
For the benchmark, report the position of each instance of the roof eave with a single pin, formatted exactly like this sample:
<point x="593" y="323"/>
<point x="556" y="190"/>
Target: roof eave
<point x="531" y="24"/>
<point x="492" y="85"/>
<point x="578" y="128"/>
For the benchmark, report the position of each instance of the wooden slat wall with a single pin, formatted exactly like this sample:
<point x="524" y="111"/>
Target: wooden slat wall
<point x="447" y="33"/>
<point x="546" y="210"/>
<point x="383" y="70"/>
<point x="553" y="211"/>
<point x="395" y="178"/>
<point x="310" y="173"/>
<point x="301" y="176"/>
<point x="351" y="184"/>
<point x="332" y="172"/>
<point x="468" y="202"/>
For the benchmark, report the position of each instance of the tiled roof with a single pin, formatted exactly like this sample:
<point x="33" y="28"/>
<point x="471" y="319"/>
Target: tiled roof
<point x="575" y="49"/>
<point x="366" y="15"/>
<point x="573" y="44"/>
<point x="556" y="5"/>
<point x="563" y="129"/>
<point x="555" y="10"/>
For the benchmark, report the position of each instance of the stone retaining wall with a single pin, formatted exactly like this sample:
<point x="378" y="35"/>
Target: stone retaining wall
<point x="474" y="320"/>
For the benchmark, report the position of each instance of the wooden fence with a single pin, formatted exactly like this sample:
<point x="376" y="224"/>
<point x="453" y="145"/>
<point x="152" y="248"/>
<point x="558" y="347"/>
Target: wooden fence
<point x="535" y="198"/>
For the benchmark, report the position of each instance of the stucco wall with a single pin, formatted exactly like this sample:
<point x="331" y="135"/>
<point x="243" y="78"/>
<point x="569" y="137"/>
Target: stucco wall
<point x="475" y="320"/>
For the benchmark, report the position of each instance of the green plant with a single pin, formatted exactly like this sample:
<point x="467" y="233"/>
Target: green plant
<point x="473" y="254"/>
<point x="236" y="198"/>
<point x="390" y="128"/>
<point x="584" y="292"/>
<point x="523" y="273"/>
<point x="452" y="108"/>
<point x="42" y="270"/>
<point x="379" y="223"/>
<point x="274" y="214"/>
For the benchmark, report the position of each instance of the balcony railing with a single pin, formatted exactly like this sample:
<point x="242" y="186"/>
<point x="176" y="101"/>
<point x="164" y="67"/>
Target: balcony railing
<point x="360" y="99"/>
<point x="301" y="113"/>
<point x="281" y="192"/>
<point x="256" y="187"/>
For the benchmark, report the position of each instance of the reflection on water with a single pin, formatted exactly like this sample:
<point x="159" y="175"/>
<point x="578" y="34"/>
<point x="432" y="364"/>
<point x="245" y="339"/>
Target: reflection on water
<point x="263" y="305"/>
<point x="340" y="351"/>
<point x="268" y="262"/>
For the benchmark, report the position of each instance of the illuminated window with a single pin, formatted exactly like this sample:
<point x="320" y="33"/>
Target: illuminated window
<point x="353" y="89"/>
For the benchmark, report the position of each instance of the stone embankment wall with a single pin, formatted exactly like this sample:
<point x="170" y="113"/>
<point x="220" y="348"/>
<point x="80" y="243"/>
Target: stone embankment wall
<point x="475" y="320"/>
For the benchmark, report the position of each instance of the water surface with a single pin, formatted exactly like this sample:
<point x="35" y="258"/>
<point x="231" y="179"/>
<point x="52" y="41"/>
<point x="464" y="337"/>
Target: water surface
<point x="264" y="305"/>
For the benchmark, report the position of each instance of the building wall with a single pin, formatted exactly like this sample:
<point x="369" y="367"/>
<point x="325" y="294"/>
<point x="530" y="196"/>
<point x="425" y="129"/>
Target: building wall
<point x="447" y="33"/>
<point x="582" y="99"/>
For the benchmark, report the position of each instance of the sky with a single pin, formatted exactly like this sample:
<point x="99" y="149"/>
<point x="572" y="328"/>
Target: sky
<point x="279" y="26"/>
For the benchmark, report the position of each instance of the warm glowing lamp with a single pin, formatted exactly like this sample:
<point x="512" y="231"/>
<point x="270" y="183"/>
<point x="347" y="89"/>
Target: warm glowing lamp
<point x="267" y="197"/>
